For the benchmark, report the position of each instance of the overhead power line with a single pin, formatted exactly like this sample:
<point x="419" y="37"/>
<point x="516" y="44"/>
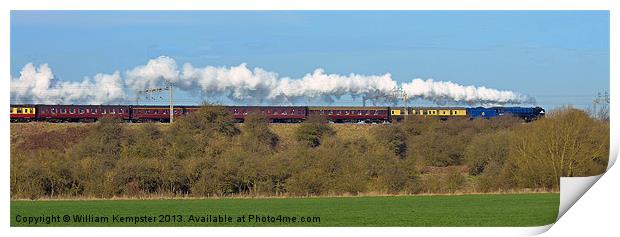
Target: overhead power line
<point x="151" y="91"/>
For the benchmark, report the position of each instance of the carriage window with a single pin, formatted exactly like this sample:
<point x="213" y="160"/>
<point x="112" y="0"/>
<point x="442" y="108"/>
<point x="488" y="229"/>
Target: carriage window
<point x="19" y="110"/>
<point x="93" y="111"/>
<point x="72" y="110"/>
<point x="81" y="111"/>
<point x="120" y="111"/>
<point x="53" y="110"/>
<point x="63" y="110"/>
<point x="104" y="111"/>
<point x="112" y="111"/>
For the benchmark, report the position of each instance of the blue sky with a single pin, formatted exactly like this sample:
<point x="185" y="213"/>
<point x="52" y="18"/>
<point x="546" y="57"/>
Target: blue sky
<point x="558" y="57"/>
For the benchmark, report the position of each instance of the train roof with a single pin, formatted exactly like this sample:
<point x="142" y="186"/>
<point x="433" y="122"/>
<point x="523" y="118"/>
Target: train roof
<point x="289" y="106"/>
<point x="346" y="108"/>
<point x="66" y="105"/>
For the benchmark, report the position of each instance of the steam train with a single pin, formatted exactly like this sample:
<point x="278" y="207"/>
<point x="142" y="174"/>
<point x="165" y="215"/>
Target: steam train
<point x="276" y="114"/>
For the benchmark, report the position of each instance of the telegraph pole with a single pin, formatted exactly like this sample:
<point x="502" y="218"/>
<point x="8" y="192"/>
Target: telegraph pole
<point x="138" y="94"/>
<point x="400" y="93"/>
<point x="171" y="103"/>
<point x="405" y="100"/>
<point x="595" y="104"/>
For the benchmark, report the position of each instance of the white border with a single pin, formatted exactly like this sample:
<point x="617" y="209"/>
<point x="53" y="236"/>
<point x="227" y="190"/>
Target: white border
<point x="601" y="197"/>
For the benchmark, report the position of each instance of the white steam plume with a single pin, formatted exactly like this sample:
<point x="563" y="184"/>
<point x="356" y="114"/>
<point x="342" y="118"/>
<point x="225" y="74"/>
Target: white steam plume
<point x="153" y="73"/>
<point x="241" y="83"/>
<point x="442" y="92"/>
<point x="38" y="86"/>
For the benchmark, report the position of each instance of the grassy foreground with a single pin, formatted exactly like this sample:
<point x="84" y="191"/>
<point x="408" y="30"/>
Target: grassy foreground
<point x="465" y="210"/>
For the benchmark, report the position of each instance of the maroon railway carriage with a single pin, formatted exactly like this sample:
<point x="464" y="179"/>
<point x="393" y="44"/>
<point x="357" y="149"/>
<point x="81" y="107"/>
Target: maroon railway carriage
<point x="75" y="113"/>
<point x="277" y="114"/>
<point x="352" y="114"/>
<point x="154" y="113"/>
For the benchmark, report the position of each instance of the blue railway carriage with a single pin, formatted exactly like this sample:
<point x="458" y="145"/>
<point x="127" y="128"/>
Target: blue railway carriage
<point x="526" y="113"/>
<point x="481" y="112"/>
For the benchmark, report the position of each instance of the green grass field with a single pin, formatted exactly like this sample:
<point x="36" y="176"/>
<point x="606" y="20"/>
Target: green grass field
<point x="465" y="210"/>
